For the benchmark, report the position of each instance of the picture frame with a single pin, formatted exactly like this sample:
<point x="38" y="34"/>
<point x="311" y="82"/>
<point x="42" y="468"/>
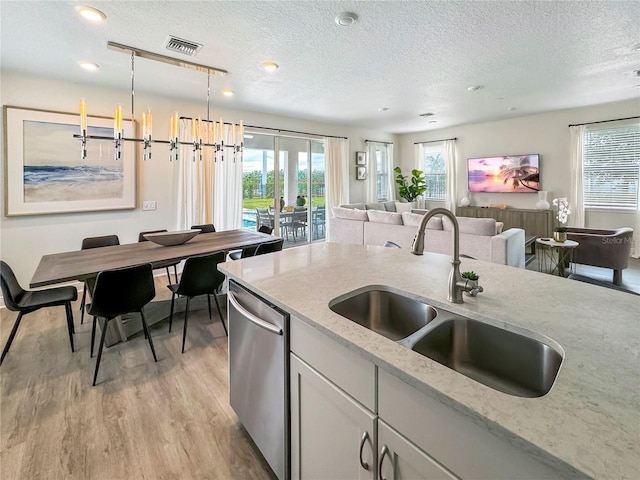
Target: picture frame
<point x="361" y="158"/>
<point x="361" y="173"/>
<point x="44" y="171"/>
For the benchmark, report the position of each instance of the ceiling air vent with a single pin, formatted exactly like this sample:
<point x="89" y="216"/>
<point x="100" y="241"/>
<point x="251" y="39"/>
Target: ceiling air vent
<point x="185" y="47"/>
<point x="425" y="115"/>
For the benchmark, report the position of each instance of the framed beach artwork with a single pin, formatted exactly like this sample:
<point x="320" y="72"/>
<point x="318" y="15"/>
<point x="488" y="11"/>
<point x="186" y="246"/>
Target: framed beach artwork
<point x="44" y="171"/>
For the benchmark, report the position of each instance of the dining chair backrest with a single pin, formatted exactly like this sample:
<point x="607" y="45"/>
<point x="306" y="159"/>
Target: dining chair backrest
<point x="122" y="290"/>
<point x="270" y="247"/>
<point x="96" y="242"/>
<point x="11" y="289"/>
<point x="200" y="275"/>
<point x="264" y="217"/>
<point x="205" y="228"/>
<point x="141" y="235"/>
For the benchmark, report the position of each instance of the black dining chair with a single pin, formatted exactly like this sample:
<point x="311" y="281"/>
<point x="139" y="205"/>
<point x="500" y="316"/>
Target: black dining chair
<point x="200" y="276"/>
<point x="94" y="242"/>
<point x="24" y="301"/>
<point x="206" y="228"/>
<point x="163" y="263"/>
<point x="270" y="247"/>
<point x="120" y="291"/>
<point x="251" y="250"/>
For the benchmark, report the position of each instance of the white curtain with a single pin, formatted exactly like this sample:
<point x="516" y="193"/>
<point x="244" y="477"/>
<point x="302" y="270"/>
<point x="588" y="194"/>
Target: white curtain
<point x="336" y="152"/>
<point x="576" y="201"/>
<point x="391" y="187"/>
<point x="451" y="159"/>
<point x="209" y="188"/>
<point x="418" y="156"/>
<point x="635" y="246"/>
<point x="371" y="195"/>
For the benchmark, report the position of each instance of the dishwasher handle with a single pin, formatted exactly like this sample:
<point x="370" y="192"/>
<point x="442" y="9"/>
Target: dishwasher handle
<point x="252" y="318"/>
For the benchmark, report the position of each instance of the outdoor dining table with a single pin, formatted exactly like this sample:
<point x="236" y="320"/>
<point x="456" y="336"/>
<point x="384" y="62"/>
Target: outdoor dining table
<point x="86" y="264"/>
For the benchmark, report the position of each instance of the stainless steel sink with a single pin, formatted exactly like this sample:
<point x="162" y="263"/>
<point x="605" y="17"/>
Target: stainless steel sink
<point x="506" y="361"/>
<point x="388" y="313"/>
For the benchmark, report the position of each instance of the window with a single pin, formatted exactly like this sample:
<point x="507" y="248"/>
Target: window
<point x="435" y="172"/>
<point x="611" y="163"/>
<point x="382" y="173"/>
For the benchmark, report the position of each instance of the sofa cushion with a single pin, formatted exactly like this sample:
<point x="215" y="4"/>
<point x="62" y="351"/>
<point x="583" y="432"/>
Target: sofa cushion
<point x="414" y="219"/>
<point x="350" y="213"/>
<point x="403" y="207"/>
<point x="385" y="217"/>
<point x="374" y="206"/>
<point x="390" y="206"/>
<point x="359" y="206"/>
<point x="473" y="226"/>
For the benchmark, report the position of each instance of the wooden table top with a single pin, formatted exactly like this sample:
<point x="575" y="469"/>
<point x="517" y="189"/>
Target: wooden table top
<point x="81" y="264"/>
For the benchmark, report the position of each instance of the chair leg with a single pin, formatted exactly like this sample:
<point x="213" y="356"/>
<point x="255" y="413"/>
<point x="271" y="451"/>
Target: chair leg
<point x="67" y="307"/>
<point x="173" y="299"/>
<point x="145" y="327"/>
<point x="186" y="319"/>
<point x="209" y="302"/>
<point x="11" y="336"/>
<point x="82" y="304"/>
<point x="93" y="334"/>
<point x="215" y="297"/>
<point x="168" y="275"/>
<point x="617" y="277"/>
<point x="104" y="334"/>
<point x="175" y="272"/>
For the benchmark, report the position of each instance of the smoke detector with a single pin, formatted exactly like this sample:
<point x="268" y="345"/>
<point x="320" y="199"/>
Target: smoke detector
<point x="345" y="19"/>
<point x="186" y="47"/>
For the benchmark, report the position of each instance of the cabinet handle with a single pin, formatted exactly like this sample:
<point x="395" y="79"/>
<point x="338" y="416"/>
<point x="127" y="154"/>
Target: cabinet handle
<point x="252" y="318"/>
<point x="383" y="452"/>
<point x="363" y="464"/>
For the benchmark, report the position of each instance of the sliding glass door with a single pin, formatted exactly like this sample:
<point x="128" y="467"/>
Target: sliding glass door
<point x="284" y="187"/>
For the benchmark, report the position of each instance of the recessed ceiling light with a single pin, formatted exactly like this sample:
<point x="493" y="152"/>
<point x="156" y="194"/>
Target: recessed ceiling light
<point x="433" y="121"/>
<point x="90" y="13"/>
<point x="90" y="66"/>
<point x="474" y="88"/>
<point x="511" y="109"/>
<point x="270" y="66"/>
<point x="637" y="86"/>
<point x="345" y="19"/>
<point x="637" y="48"/>
<point x="383" y="109"/>
<point x="228" y="93"/>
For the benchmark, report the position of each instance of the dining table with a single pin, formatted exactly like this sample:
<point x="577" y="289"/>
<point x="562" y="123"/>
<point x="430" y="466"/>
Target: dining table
<point x="84" y="265"/>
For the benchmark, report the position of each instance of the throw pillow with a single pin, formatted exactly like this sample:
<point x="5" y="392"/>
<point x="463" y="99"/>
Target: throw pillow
<point x="390" y="206"/>
<point x="473" y="226"/>
<point x="414" y="219"/>
<point x="374" y="206"/>
<point x="403" y="207"/>
<point x="359" y="206"/>
<point x="350" y="213"/>
<point x="380" y="216"/>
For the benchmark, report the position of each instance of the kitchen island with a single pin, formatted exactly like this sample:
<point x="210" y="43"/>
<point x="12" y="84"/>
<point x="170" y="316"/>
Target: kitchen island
<point x="588" y="425"/>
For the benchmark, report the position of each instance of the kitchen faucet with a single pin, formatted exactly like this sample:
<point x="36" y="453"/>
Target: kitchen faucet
<point x="457" y="284"/>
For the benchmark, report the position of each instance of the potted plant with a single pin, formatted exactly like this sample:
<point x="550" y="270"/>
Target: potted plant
<point x="470" y="275"/>
<point x="410" y="190"/>
<point x="560" y="234"/>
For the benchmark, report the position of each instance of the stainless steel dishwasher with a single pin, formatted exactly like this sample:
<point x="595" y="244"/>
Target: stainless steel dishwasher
<point x="259" y="373"/>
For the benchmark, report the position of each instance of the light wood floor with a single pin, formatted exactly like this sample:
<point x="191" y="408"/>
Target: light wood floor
<point x="164" y="420"/>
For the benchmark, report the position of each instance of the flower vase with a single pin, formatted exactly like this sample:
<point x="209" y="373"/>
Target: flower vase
<point x="542" y="203"/>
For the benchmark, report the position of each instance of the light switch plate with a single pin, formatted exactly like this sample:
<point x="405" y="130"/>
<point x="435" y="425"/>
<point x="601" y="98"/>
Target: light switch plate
<point x="148" y="205"/>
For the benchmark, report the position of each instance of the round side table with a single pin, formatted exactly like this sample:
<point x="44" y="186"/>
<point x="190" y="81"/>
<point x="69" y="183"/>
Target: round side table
<point x="555" y="255"/>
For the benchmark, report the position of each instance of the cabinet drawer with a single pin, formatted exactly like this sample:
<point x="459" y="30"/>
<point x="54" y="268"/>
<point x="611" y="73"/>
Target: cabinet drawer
<point x="345" y="368"/>
<point x="464" y="447"/>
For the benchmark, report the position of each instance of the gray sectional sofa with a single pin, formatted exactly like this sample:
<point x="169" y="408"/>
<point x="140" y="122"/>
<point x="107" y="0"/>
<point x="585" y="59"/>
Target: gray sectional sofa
<point x="480" y="238"/>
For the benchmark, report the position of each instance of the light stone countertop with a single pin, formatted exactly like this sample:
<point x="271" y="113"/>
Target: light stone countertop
<point x="590" y="419"/>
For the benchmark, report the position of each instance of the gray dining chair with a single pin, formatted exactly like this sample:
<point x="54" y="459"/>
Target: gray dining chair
<point x="88" y="243"/>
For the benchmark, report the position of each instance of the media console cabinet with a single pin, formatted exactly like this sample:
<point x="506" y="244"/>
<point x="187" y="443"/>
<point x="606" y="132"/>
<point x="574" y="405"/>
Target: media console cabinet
<point x="539" y="223"/>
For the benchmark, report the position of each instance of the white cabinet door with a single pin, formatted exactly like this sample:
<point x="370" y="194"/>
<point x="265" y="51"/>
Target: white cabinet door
<point x="400" y="459"/>
<point x="332" y="436"/>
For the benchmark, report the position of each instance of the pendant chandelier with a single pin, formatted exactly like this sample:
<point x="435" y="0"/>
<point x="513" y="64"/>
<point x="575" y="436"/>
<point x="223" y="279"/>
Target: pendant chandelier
<point x="215" y="131"/>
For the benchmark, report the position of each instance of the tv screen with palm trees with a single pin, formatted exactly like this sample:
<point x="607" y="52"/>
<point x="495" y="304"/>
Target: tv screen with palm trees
<point x="508" y="174"/>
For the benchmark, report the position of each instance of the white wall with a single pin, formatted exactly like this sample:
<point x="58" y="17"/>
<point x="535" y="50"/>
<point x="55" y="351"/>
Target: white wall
<point x="24" y="239"/>
<point x="546" y="134"/>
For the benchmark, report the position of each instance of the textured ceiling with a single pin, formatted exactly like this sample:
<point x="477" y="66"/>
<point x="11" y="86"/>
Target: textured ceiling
<point x="411" y="57"/>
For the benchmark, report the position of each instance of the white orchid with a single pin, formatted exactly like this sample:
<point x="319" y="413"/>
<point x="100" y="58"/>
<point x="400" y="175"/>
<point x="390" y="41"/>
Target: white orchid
<point x="563" y="209"/>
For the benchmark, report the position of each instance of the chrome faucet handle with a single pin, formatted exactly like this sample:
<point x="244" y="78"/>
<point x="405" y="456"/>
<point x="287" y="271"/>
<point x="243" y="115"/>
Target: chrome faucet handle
<point x="470" y="286"/>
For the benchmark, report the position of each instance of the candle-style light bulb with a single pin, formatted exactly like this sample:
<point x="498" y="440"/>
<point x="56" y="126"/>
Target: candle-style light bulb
<point x="83" y="116"/>
<point x="149" y="124"/>
<point x="221" y="125"/>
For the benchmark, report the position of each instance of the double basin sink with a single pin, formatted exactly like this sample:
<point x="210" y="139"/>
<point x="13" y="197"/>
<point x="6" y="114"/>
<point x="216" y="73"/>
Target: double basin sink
<point x="510" y="362"/>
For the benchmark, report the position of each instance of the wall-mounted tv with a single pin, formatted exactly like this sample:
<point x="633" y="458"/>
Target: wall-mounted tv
<point x="508" y="174"/>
